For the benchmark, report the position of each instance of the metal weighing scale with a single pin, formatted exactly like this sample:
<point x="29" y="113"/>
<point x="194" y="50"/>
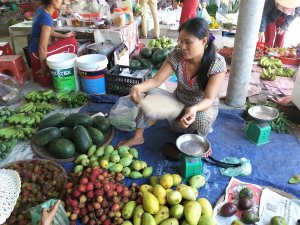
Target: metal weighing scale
<point x="258" y="130"/>
<point x="193" y="147"/>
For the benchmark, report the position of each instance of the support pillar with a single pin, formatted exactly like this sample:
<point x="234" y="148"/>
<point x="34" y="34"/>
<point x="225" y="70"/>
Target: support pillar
<point x="250" y="14"/>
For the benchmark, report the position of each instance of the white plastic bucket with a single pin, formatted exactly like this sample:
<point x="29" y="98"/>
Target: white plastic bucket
<point x="92" y="69"/>
<point x="63" y="71"/>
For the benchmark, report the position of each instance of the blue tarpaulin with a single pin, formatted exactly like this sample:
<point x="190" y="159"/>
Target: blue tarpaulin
<point x="272" y="163"/>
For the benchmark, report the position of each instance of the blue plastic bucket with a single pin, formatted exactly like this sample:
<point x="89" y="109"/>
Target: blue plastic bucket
<point x="91" y="69"/>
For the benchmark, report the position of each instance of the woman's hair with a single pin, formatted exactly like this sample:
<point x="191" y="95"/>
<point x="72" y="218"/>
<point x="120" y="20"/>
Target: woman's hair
<point x="200" y="29"/>
<point x="46" y="2"/>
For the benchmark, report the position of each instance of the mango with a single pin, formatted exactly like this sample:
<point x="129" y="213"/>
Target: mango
<point x="249" y="217"/>
<point x="115" y="158"/>
<point x="123" y="148"/>
<point x="136" y="165"/>
<point x="91" y="150"/>
<point x="93" y="158"/>
<point x="150" y="203"/>
<point x="138" y="215"/>
<point x="278" y="220"/>
<point x="134" y="152"/>
<point x="174" y="197"/>
<point x="185" y="223"/>
<point x="177" y="211"/>
<point x="78" y="168"/>
<point x="127" y="210"/>
<point x="106" y="157"/>
<point x="166" y="180"/>
<point x="147" y="171"/>
<point x="144" y="164"/>
<point x="160" y="193"/>
<point x="154" y="180"/>
<point x="148" y="219"/>
<point x="103" y="163"/>
<point x="146" y="187"/>
<point x="110" y="164"/>
<point x="100" y="151"/>
<point x="192" y="212"/>
<point x="126" y="171"/>
<point x="116" y="168"/>
<point x="162" y="214"/>
<point x="195" y="190"/>
<point x="197" y="181"/>
<point x="186" y="192"/>
<point x="126" y="155"/>
<point x="127" y="222"/>
<point x="135" y="175"/>
<point x="206" y="208"/>
<point x="207" y="220"/>
<point x="237" y="222"/>
<point x="170" y="221"/>
<point x="108" y="150"/>
<point x="125" y="161"/>
<point x="176" y="179"/>
<point x="115" y="152"/>
<point x="95" y="164"/>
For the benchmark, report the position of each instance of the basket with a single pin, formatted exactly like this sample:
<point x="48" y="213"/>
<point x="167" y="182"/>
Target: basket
<point x="117" y="84"/>
<point x="289" y="61"/>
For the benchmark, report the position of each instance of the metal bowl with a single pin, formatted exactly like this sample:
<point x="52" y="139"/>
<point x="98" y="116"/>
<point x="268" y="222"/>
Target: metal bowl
<point x="193" y="144"/>
<point x="263" y="113"/>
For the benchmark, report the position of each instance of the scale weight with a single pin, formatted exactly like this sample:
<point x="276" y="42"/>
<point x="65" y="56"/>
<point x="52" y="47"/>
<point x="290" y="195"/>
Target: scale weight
<point x="190" y="166"/>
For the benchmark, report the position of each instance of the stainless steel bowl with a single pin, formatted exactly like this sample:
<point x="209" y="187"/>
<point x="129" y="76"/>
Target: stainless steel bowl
<point x="193" y="144"/>
<point x="263" y="113"/>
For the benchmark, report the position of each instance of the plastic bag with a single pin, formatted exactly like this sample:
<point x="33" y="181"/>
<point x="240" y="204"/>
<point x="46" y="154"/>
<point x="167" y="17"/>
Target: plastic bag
<point x="244" y="170"/>
<point x="122" y="115"/>
<point x="202" y="13"/>
<point x="60" y="217"/>
<point x="104" y="9"/>
<point x="9" y="90"/>
<point x="167" y="16"/>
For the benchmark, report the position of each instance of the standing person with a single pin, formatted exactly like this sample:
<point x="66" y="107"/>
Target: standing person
<point x="189" y="9"/>
<point x="200" y="72"/>
<point x="276" y="18"/>
<point x="153" y="8"/>
<point x="40" y="45"/>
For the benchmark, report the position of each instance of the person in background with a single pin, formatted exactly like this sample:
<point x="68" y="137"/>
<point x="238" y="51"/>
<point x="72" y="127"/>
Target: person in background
<point x="189" y="9"/>
<point x="276" y="18"/>
<point x="200" y="72"/>
<point x="153" y="8"/>
<point x="40" y="45"/>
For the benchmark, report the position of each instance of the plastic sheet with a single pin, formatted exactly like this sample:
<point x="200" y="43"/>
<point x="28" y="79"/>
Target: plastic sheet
<point x="244" y="170"/>
<point x="9" y="90"/>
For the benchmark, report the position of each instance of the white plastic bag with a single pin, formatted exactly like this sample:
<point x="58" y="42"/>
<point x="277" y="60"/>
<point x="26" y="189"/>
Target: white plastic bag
<point x="167" y="16"/>
<point x="9" y="90"/>
<point x="122" y="115"/>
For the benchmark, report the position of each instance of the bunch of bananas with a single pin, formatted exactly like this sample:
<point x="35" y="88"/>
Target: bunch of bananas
<point x="214" y="24"/>
<point x="6" y="112"/>
<point x="16" y="132"/>
<point x="31" y="107"/>
<point x="273" y="67"/>
<point x="42" y="95"/>
<point x="72" y="99"/>
<point x="266" y="62"/>
<point x="6" y="147"/>
<point x="30" y="119"/>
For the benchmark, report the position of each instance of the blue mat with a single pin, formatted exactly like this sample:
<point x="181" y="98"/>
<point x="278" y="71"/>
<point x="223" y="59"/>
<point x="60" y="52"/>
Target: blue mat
<point x="272" y="164"/>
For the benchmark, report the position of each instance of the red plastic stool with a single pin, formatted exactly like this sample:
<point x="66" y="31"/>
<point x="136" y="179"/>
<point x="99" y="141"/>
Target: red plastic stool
<point x="15" y="66"/>
<point x="35" y="67"/>
<point x="5" y="48"/>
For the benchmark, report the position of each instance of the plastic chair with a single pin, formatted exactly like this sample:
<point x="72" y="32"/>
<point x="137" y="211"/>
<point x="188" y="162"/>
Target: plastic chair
<point x="5" y="48"/>
<point x="15" y="66"/>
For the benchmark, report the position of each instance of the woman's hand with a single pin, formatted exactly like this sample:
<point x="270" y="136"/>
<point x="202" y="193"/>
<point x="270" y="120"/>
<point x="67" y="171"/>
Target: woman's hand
<point x="260" y="36"/>
<point x="189" y="117"/>
<point x="43" y="71"/>
<point x="48" y="214"/>
<point x="70" y="34"/>
<point x="135" y="94"/>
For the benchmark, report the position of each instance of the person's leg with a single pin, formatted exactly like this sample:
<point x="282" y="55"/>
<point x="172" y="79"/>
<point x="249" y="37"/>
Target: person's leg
<point x="270" y="34"/>
<point x="279" y="40"/>
<point x="143" y="4"/>
<point x="153" y="8"/>
<point x="143" y="121"/>
<point x="69" y="44"/>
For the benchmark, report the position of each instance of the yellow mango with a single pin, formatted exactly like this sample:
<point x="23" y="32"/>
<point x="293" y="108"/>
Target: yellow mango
<point x="163" y="214"/>
<point x="192" y="212"/>
<point x="150" y="203"/>
<point x="138" y="215"/>
<point x="160" y="193"/>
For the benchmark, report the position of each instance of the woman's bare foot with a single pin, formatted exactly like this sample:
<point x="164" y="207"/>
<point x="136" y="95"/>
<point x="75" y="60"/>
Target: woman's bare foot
<point x="131" y="142"/>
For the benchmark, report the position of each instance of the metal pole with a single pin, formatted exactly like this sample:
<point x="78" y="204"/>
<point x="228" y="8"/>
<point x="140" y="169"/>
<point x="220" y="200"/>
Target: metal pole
<point x="246" y="37"/>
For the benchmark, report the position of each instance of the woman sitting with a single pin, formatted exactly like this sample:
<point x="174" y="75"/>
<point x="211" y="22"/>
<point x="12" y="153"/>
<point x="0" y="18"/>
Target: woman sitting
<point x="40" y="45"/>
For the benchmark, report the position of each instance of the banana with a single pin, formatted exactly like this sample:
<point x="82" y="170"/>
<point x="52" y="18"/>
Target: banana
<point x="37" y="119"/>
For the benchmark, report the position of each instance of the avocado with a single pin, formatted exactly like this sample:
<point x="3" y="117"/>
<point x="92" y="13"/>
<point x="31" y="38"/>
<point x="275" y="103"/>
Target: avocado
<point x="246" y="193"/>
<point x="278" y="220"/>
<point x="228" y="209"/>
<point x="249" y="217"/>
<point x="245" y="204"/>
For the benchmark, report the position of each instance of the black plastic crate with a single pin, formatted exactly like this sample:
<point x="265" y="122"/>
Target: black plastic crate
<point x="117" y="84"/>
